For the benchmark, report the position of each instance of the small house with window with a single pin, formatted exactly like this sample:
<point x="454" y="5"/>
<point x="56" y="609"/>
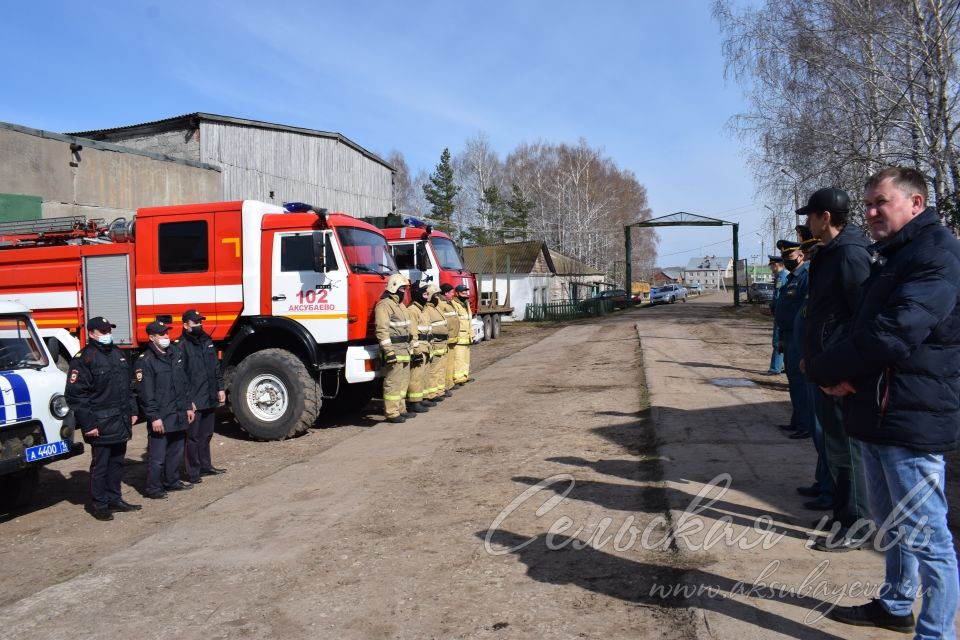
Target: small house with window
<point x="531" y="273"/>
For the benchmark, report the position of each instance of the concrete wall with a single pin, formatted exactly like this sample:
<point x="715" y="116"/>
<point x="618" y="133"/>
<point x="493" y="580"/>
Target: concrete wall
<point x="97" y="180"/>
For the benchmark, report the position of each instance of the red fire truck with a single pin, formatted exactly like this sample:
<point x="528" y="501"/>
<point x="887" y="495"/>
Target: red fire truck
<point x="424" y="254"/>
<point x="287" y="292"/>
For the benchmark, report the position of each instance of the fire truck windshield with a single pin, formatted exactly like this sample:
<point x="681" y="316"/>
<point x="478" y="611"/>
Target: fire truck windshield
<point x="446" y="253"/>
<point x="19" y="345"/>
<point x="365" y="251"/>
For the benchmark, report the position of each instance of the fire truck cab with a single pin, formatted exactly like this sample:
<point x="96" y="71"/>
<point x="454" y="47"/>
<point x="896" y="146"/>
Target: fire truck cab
<point x="287" y="294"/>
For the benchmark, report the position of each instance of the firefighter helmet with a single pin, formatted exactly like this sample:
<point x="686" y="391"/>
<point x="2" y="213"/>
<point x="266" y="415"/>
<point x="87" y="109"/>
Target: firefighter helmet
<point x="396" y="281"/>
<point x="432" y="290"/>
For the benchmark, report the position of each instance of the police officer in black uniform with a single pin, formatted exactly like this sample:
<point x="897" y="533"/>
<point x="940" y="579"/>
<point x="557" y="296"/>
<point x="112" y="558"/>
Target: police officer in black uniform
<point x="206" y="391"/>
<point x="98" y="391"/>
<point x="163" y="389"/>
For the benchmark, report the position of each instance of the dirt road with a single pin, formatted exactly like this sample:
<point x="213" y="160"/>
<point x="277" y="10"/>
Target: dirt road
<point x="370" y="530"/>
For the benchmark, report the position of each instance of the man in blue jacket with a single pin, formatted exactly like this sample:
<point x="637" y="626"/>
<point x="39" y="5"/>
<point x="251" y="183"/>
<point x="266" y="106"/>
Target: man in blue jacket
<point x="791" y="299"/>
<point x="779" y="279"/>
<point x="837" y="271"/>
<point x="898" y="370"/>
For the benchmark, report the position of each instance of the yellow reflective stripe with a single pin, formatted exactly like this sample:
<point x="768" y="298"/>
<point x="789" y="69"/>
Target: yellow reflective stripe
<point x="438" y="352"/>
<point x="414" y="396"/>
<point x="463" y="341"/>
<point x="403" y="358"/>
<point x="389" y="397"/>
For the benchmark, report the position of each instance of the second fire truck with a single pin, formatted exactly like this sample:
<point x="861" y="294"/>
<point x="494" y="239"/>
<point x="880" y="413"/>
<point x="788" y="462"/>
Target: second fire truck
<point x="287" y="292"/>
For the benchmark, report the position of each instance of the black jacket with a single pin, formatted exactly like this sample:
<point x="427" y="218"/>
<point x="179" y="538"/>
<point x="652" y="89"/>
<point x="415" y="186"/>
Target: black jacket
<point x="163" y="387"/>
<point x="903" y="351"/>
<point x="837" y="271"/>
<point x="203" y="369"/>
<point x="792" y="296"/>
<point x="98" y="390"/>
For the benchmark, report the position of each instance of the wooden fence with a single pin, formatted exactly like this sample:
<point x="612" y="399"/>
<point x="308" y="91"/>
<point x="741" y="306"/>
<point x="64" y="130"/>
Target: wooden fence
<point x="568" y="310"/>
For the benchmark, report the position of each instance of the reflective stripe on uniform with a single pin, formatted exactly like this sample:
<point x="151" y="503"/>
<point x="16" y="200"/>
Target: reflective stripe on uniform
<point x="400" y="323"/>
<point x="403" y="358"/>
<point x="414" y="396"/>
<point x="389" y="397"/>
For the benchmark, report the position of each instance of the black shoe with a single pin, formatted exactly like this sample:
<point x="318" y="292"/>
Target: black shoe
<point x="196" y="480"/>
<point x="397" y="419"/>
<point x="799" y="435"/>
<point x="156" y="495"/>
<point x="428" y="403"/>
<point x="873" y="614"/>
<point x="179" y="486"/>
<point x="819" y="505"/>
<point x="447" y="393"/>
<point x="123" y="505"/>
<point x="813" y="491"/>
<point x="439" y="398"/>
<point x="409" y="414"/>
<point x="788" y="427"/>
<point x="102" y="514"/>
<point x="417" y="407"/>
<point x="212" y="471"/>
<point x="842" y="541"/>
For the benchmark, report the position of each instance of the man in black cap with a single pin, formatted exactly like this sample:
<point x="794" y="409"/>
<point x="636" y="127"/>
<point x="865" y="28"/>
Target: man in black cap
<point x="206" y="392"/>
<point x="838" y="269"/>
<point x="98" y="391"/>
<point x="162" y="384"/>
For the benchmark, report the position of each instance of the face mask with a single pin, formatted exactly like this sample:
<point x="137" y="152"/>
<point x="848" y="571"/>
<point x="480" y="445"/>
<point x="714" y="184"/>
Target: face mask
<point x="791" y="264"/>
<point x="197" y="331"/>
<point x="105" y="338"/>
<point x="163" y="342"/>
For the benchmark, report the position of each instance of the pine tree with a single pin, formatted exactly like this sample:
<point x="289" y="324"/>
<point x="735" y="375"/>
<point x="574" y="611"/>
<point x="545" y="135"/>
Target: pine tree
<point x="515" y="222"/>
<point x="440" y="192"/>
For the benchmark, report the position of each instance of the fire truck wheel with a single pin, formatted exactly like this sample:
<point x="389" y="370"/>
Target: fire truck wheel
<point x="273" y="395"/>
<point x="18" y="489"/>
<point x="487" y="328"/>
<point x="495" y="327"/>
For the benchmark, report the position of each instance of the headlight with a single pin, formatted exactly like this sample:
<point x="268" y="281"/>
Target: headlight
<point x="58" y="406"/>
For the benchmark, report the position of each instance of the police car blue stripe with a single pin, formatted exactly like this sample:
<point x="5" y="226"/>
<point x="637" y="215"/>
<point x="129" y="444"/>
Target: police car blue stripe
<point x="21" y="395"/>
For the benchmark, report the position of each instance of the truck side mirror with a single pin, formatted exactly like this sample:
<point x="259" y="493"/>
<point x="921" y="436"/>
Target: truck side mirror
<point x="320" y="240"/>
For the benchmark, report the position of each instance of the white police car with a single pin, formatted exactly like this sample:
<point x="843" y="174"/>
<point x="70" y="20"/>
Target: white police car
<point x="36" y="425"/>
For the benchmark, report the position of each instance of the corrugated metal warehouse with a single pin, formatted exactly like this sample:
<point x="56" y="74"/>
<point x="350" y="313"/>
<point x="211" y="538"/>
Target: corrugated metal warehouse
<point x="269" y="162"/>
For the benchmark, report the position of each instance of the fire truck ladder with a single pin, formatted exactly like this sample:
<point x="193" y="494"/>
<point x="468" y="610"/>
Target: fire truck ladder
<point x="49" y="231"/>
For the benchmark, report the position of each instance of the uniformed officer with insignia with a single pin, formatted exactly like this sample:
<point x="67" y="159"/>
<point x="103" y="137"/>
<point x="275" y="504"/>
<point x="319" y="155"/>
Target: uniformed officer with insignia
<point x="789" y="304"/>
<point x="98" y="391"/>
<point x="206" y="391"/>
<point x="164" y="398"/>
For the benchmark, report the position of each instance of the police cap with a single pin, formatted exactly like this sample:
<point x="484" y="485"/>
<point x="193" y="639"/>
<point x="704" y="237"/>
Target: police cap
<point x="157" y="328"/>
<point x="192" y="315"/>
<point x="101" y="324"/>
<point x="446" y="286"/>
<point x="787" y="245"/>
<point x="462" y="287"/>
<point x="774" y="258"/>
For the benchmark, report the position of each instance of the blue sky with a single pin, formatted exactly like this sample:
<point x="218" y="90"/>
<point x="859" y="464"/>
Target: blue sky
<point x="643" y="80"/>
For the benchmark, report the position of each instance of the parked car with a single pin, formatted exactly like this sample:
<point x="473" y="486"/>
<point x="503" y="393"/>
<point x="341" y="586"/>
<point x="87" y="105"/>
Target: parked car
<point x="760" y="292"/>
<point x="669" y="293"/>
<point x="619" y="297"/>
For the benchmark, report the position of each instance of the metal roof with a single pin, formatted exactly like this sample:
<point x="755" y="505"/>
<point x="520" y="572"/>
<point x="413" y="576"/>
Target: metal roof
<point x="567" y="266"/>
<point x="193" y="118"/>
<point x="105" y="146"/>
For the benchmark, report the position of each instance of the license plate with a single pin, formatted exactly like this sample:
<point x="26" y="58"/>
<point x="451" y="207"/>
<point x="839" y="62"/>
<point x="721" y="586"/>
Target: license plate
<point x="42" y="451"/>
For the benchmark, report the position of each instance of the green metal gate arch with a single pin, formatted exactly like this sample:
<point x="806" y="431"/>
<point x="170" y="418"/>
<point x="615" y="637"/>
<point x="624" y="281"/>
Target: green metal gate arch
<point x="684" y="219"/>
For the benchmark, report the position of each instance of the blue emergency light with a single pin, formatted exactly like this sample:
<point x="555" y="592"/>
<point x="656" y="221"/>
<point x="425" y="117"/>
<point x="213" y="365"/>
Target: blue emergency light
<point x="417" y="223"/>
<point x="303" y="207"/>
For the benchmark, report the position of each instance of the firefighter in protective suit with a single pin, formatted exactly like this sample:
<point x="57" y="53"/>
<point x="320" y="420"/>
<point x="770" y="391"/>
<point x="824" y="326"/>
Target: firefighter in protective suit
<point x="434" y="387"/>
<point x="461" y="369"/>
<point x="396" y="336"/>
<point x="420" y="352"/>
<point x="449" y="311"/>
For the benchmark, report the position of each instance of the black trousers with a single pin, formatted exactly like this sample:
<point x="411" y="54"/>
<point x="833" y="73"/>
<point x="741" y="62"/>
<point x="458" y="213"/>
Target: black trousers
<point x="106" y="472"/>
<point x="199" y="434"/>
<point x="164" y="453"/>
<point x="845" y="464"/>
